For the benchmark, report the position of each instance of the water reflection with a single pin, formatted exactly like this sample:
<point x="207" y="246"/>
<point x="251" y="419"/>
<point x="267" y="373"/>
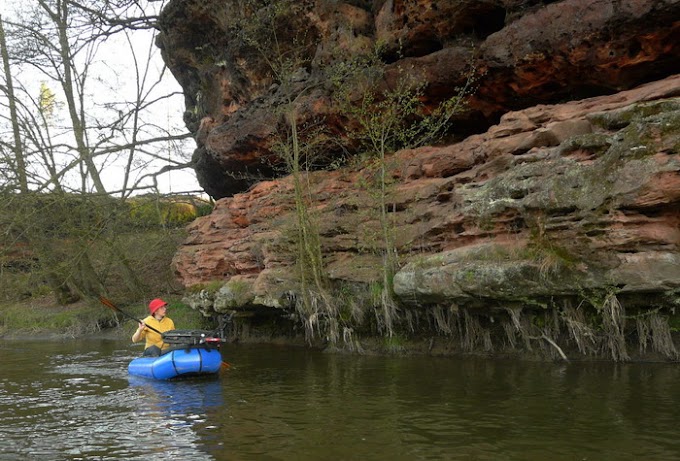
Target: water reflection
<point x="79" y="405"/>
<point x="428" y="408"/>
<point x="189" y="398"/>
<point x="75" y="401"/>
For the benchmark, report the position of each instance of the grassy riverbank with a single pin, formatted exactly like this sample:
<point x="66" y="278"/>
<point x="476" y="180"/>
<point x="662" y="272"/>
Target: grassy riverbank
<point x="42" y="317"/>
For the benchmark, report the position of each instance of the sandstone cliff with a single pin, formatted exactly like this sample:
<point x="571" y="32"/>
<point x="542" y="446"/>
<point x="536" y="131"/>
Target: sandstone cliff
<point x="550" y="220"/>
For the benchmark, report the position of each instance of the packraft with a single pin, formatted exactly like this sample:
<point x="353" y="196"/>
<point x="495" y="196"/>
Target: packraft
<point x="191" y="353"/>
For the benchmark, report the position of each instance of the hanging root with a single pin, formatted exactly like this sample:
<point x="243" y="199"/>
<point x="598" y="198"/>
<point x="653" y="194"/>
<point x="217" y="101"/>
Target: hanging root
<point x="410" y="320"/>
<point x="318" y="315"/>
<point x="520" y="326"/>
<point x="613" y="324"/>
<point x="509" y="334"/>
<point x="442" y="319"/>
<point x="351" y="340"/>
<point x="307" y="312"/>
<point x="654" y="328"/>
<point x="515" y="315"/>
<point x="474" y="334"/>
<point x="385" y="311"/>
<point x="579" y="330"/>
<point x="389" y="308"/>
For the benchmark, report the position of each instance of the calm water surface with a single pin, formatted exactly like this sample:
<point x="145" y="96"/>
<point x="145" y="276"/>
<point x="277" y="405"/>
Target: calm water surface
<point x="74" y="400"/>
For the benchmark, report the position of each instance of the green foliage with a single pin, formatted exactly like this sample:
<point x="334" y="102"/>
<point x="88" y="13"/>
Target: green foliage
<point x="55" y="215"/>
<point x="39" y="316"/>
<point x="85" y="245"/>
<point x="185" y="317"/>
<point x="376" y="291"/>
<point x="394" y="344"/>
<point x="211" y="287"/>
<point x="674" y="322"/>
<point x="18" y="282"/>
<point x="35" y="318"/>
<point x="240" y="288"/>
<point x="382" y="122"/>
<point x="204" y="208"/>
<point x="47" y="100"/>
<point x="138" y="264"/>
<point x="151" y="211"/>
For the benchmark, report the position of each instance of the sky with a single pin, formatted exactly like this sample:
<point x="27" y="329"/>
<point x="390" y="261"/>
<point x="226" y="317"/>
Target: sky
<point x="167" y="114"/>
<point x="115" y="70"/>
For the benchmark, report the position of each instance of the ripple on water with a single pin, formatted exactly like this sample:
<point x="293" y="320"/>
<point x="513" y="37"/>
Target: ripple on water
<point x="81" y="406"/>
<point x="291" y="404"/>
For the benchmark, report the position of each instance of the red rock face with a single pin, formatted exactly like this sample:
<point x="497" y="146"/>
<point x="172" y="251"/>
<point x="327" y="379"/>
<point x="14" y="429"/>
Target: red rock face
<point x="523" y="52"/>
<point x="575" y="48"/>
<point x="569" y="181"/>
<point x="596" y="179"/>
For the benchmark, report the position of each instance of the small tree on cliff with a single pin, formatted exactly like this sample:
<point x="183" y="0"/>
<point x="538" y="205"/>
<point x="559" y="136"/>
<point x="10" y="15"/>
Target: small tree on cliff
<point x="264" y="28"/>
<point x="315" y="305"/>
<point x="382" y="121"/>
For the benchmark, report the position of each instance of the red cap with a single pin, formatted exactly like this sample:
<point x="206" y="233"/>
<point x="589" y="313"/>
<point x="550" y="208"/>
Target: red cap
<point x="156" y="304"/>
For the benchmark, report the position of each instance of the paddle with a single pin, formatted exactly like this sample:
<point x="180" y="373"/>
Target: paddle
<point x="112" y="306"/>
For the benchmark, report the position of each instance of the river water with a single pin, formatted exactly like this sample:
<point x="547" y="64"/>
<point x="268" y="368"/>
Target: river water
<point x="73" y="400"/>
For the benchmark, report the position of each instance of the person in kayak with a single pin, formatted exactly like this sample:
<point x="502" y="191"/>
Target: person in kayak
<point x="158" y="320"/>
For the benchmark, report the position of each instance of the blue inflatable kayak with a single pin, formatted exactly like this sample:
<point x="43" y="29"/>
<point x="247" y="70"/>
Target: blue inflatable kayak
<point x="192" y="361"/>
<point x="193" y="353"/>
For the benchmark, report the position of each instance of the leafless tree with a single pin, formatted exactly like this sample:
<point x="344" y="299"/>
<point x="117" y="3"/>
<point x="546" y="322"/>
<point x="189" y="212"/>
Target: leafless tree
<point x="75" y="115"/>
<point x="107" y="110"/>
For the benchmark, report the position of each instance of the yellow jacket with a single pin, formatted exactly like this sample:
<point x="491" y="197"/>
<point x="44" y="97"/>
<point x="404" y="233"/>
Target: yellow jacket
<point x="153" y="338"/>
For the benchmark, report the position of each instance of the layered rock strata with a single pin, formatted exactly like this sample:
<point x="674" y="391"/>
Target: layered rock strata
<point x="553" y="199"/>
<point x="567" y="196"/>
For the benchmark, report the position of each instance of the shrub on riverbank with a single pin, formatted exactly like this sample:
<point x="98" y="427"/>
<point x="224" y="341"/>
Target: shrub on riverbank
<point x="75" y="247"/>
<point x="41" y="317"/>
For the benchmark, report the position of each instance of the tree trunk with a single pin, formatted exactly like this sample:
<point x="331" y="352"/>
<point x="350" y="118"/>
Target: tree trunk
<point x="18" y="149"/>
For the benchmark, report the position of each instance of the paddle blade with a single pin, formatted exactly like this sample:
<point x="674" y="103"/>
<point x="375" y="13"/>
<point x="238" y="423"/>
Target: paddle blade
<point x="107" y="303"/>
<point x="225" y="365"/>
<point x="112" y="306"/>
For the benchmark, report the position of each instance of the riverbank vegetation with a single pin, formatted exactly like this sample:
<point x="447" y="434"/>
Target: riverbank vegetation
<point x="59" y="253"/>
<point x="377" y="121"/>
<point x="40" y="317"/>
<point x="81" y="158"/>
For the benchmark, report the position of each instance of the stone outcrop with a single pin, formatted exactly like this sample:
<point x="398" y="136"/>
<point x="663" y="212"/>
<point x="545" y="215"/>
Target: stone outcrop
<point x="552" y="200"/>
<point x="562" y="185"/>
<point x="522" y="53"/>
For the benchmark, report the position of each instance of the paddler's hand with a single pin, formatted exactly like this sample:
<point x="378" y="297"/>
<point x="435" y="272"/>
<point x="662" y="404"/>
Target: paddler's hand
<point x="138" y="333"/>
